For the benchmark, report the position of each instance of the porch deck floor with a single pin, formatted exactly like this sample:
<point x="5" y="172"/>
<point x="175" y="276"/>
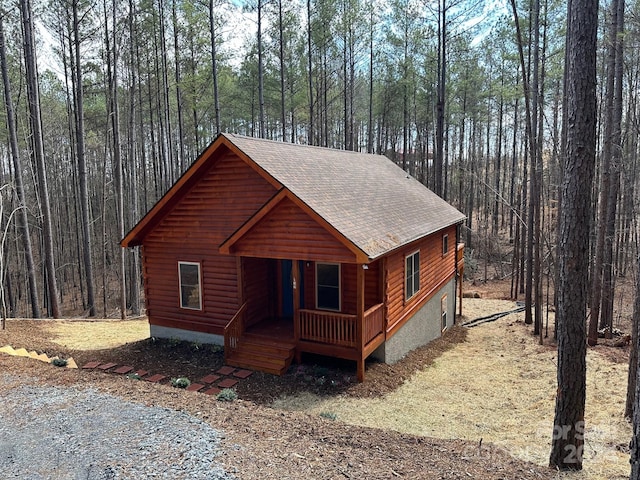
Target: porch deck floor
<point x="275" y="328"/>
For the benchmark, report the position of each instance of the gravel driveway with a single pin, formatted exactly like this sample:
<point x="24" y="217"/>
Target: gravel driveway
<point x="70" y="433"/>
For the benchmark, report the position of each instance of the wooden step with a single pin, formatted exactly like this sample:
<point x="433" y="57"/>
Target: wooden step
<point x="263" y="355"/>
<point x="272" y="348"/>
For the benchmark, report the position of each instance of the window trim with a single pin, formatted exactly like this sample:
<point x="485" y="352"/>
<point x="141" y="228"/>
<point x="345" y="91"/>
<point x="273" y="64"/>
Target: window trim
<point x="408" y="297"/>
<point x="444" y="312"/>
<point x="445" y="244"/>
<point x="339" y="286"/>
<point x="200" y="300"/>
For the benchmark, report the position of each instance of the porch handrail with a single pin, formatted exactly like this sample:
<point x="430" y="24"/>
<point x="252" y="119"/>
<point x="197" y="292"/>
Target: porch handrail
<point x="373" y="322"/>
<point x="233" y="331"/>
<point x="328" y="327"/>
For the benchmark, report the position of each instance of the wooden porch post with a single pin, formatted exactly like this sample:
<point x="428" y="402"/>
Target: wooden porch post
<point x="295" y="279"/>
<point x="360" y="319"/>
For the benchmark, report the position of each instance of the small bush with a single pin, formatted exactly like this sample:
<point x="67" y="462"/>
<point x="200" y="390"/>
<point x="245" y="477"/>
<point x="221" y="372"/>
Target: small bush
<point x="329" y="415"/>
<point x="180" y="382"/>
<point x="134" y="376"/>
<point x="59" y="362"/>
<point x="227" y="395"/>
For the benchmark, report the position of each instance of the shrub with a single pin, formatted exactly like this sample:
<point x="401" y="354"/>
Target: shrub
<point x="134" y="376"/>
<point x="59" y="362"/>
<point x="329" y="415"/>
<point x="227" y="395"/>
<point x="180" y="382"/>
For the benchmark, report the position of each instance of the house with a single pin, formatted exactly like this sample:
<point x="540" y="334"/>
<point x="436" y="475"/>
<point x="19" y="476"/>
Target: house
<point x="275" y="249"/>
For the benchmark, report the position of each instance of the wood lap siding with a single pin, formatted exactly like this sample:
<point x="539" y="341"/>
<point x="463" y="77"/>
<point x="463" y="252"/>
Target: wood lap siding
<point x="224" y="198"/>
<point x="260" y="285"/>
<point x="435" y="271"/>
<point x="287" y="232"/>
<point x="348" y="284"/>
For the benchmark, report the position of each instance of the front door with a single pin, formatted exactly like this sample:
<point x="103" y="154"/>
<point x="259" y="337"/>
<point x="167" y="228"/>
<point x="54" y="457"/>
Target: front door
<point x="287" y="287"/>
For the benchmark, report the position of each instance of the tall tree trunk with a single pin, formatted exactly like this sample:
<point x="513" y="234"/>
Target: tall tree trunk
<point x="261" y="119"/>
<point x="23" y="220"/>
<point x="134" y="284"/>
<point x="442" y="75"/>
<point x="311" y="136"/>
<point x="633" y="394"/>
<point x="179" y="103"/>
<point x="35" y="121"/>
<point x="608" y="283"/>
<point x="568" y="430"/>
<point x="214" y="65"/>
<point x="283" y="119"/>
<point x="370" y="125"/>
<point x="530" y="102"/>
<point x="605" y="182"/>
<point x="85" y="221"/>
<point x="112" y="87"/>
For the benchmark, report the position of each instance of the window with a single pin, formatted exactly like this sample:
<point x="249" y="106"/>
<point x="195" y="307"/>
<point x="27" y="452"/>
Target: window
<point x="328" y="286"/>
<point x="445" y="244"/>
<point x="190" y="291"/>
<point x="412" y="274"/>
<point x="443" y="310"/>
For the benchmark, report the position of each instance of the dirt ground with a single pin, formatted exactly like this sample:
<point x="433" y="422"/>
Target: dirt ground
<point x="473" y="404"/>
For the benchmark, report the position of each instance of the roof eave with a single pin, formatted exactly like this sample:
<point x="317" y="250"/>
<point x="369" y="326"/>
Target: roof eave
<point x="384" y="253"/>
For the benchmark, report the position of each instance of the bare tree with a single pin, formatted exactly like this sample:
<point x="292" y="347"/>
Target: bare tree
<point x="35" y="123"/>
<point x="23" y="221"/>
<point x="81" y="161"/>
<point x="573" y="237"/>
<point x="634" y="370"/>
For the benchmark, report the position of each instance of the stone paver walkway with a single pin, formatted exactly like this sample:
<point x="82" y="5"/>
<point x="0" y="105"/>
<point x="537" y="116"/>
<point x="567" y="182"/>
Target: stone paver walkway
<point x="211" y="384"/>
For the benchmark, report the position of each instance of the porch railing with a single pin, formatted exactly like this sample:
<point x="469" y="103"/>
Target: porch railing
<point x="339" y="328"/>
<point x="373" y="322"/>
<point x="460" y="256"/>
<point x="233" y="331"/>
<point x="328" y="327"/>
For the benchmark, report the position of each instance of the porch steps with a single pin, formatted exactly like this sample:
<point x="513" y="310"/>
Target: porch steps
<point x="263" y="354"/>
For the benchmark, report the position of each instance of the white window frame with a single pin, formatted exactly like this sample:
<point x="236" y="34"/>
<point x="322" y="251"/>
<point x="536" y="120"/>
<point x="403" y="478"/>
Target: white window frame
<point x="445" y="244"/>
<point x="444" y="304"/>
<point x="410" y="294"/>
<point x="197" y="264"/>
<point x="318" y="307"/>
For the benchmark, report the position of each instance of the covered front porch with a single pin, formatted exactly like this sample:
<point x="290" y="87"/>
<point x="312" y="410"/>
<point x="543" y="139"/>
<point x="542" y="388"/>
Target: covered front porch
<point x="293" y="306"/>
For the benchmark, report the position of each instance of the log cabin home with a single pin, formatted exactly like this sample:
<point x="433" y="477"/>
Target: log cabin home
<point x="275" y="249"/>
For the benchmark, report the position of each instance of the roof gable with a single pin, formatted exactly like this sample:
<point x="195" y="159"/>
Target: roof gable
<point x="285" y="228"/>
<point x="364" y="198"/>
<point x="367" y="198"/>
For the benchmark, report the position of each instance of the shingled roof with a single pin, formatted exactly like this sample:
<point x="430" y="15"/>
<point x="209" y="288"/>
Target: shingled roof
<point x="367" y="198"/>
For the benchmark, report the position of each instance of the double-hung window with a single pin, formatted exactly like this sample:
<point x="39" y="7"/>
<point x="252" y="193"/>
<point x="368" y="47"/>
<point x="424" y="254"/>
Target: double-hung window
<point x="190" y="285"/>
<point x="328" y="286"/>
<point x="412" y="274"/>
<point x="443" y="312"/>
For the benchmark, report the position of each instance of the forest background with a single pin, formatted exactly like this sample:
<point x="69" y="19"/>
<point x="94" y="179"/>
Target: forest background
<point x="108" y="103"/>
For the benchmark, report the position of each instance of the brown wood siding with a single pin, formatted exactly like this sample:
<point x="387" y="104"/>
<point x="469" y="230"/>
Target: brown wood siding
<point x="287" y="232"/>
<point x="348" y="283"/>
<point x="309" y="285"/>
<point x="435" y="270"/>
<point x="372" y="291"/>
<point x="224" y="198"/>
<point x="259" y="288"/>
